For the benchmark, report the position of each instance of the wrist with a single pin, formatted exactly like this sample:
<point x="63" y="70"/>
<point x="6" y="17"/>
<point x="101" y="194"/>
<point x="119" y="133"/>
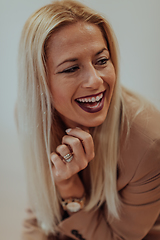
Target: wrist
<point x="71" y="188"/>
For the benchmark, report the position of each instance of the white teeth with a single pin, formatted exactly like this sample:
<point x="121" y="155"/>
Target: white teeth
<point x="93" y="99"/>
<point x="97" y="98"/>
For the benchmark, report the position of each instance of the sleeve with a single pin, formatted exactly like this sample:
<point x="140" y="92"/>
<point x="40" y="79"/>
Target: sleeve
<point x="31" y="230"/>
<point x="139" y="211"/>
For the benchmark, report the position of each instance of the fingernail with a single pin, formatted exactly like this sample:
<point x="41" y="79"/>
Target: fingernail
<point x="68" y="130"/>
<point x="78" y="128"/>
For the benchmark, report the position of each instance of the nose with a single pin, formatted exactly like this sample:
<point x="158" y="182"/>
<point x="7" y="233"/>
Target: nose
<point x="91" y="78"/>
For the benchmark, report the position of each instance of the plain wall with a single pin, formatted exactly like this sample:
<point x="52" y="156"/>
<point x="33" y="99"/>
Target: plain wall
<point x="136" y="24"/>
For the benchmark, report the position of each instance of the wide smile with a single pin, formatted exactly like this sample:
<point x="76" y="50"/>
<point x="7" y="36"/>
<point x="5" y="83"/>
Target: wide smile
<point x="92" y="103"/>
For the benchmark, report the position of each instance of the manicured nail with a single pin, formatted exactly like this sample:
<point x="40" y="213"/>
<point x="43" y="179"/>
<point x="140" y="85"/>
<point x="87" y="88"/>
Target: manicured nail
<point x="68" y="130"/>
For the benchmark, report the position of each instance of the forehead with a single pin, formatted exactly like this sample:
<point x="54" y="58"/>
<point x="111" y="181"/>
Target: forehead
<point x="77" y="35"/>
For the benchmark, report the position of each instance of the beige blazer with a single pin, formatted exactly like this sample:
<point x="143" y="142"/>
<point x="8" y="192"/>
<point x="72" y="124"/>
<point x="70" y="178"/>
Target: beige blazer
<point x="138" y="185"/>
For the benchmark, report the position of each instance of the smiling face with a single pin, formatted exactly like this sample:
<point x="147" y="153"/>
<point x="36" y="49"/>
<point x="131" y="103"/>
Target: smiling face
<point x="81" y="74"/>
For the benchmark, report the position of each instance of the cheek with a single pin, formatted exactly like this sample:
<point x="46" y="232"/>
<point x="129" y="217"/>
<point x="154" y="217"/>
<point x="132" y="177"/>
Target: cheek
<point x="63" y="89"/>
<point x="110" y="76"/>
<point x="61" y="95"/>
<point x="113" y="78"/>
<point x="58" y="96"/>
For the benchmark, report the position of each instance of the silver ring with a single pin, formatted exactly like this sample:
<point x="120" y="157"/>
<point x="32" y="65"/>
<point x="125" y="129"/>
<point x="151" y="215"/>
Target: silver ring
<point x="68" y="157"/>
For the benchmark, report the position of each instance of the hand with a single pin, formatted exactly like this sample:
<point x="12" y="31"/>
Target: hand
<point x="80" y="143"/>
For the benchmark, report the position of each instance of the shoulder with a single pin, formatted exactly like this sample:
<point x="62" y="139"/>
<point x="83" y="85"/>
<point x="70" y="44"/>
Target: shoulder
<point x="143" y="117"/>
<point x="141" y="150"/>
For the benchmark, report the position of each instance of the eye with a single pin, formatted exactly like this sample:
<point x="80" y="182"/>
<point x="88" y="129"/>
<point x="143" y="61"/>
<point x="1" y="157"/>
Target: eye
<point x="102" y="61"/>
<point x="70" y="69"/>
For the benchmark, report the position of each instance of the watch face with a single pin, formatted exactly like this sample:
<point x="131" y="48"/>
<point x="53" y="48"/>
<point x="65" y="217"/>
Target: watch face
<point x="73" y="206"/>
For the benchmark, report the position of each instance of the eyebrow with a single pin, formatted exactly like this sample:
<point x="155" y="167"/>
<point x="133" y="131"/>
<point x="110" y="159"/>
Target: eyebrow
<point x="68" y="60"/>
<point x="104" y="49"/>
<point x="75" y="59"/>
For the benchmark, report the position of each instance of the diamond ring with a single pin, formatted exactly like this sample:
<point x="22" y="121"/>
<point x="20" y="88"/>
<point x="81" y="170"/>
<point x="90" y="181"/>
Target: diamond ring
<point x="68" y="157"/>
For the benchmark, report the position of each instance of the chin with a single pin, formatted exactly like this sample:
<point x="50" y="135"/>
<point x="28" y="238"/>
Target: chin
<point x="96" y="123"/>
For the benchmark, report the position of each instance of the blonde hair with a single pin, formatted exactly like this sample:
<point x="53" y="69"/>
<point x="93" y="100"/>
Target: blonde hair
<point x="37" y="121"/>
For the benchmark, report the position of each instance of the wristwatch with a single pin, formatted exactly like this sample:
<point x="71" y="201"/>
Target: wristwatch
<point x="73" y="204"/>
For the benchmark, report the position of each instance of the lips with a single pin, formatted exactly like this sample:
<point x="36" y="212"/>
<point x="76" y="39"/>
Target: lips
<point x="92" y="103"/>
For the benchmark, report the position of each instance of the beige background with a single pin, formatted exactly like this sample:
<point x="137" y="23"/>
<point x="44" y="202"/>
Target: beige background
<point x="136" y="23"/>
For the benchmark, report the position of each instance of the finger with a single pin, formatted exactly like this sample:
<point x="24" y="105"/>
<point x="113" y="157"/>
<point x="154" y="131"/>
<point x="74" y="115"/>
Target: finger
<point x="86" y="140"/>
<point x="63" y="150"/>
<point x="78" y="151"/>
<point x="62" y="171"/>
<point x="59" y="167"/>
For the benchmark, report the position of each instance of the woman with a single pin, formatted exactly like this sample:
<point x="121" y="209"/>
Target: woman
<point x="91" y="148"/>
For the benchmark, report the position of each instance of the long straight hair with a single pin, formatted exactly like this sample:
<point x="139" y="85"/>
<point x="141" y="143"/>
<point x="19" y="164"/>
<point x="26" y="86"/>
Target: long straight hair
<point x="39" y="130"/>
